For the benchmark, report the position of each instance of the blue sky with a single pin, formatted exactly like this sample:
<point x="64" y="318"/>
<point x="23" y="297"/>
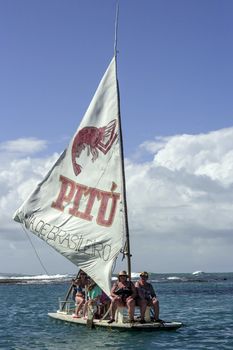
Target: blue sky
<point x="176" y="81"/>
<point x="175" y="65"/>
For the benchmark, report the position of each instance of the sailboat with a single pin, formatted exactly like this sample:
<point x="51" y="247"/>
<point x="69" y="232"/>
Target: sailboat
<point x="80" y="207"/>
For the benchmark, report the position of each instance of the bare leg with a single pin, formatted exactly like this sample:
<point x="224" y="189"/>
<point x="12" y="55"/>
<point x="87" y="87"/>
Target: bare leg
<point x="80" y="301"/>
<point x="142" y="304"/>
<point x="155" y="305"/>
<point x="85" y="308"/>
<point x="113" y="307"/>
<point x="131" y="305"/>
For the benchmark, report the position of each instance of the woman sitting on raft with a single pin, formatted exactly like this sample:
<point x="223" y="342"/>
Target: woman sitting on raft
<point x="123" y="293"/>
<point x="81" y="286"/>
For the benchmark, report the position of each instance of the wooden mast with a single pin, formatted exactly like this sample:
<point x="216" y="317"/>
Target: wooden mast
<point x="127" y="245"/>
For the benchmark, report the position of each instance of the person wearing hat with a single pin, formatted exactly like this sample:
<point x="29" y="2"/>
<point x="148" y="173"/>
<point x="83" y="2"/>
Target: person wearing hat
<point x="146" y="297"/>
<point x="123" y="293"/>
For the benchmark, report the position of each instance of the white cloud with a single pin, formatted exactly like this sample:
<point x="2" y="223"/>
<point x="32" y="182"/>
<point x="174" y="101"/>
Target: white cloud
<point x="205" y="154"/>
<point x="180" y="203"/>
<point x="18" y="178"/>
<point x="23" y="146"/>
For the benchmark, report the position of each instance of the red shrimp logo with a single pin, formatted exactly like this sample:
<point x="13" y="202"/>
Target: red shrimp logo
<point x="95" y="140"/>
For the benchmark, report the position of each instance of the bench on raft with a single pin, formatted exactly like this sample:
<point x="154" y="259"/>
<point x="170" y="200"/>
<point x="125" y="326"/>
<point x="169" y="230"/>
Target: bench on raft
<point x="121" y="315"/>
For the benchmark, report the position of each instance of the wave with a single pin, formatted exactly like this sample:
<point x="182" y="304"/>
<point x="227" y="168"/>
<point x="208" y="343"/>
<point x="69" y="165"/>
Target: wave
<point x="34" y="277"/>
<point x="175" y="278"/>
<point x="196" y="276"/>
<point x="135" y="274"/>
<point x="15" y="278"/>
<point x="195" y="273"/>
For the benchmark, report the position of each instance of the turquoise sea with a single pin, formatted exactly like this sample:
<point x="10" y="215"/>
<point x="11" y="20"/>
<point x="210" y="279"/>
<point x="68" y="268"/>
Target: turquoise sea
<point x="203" y="302"/>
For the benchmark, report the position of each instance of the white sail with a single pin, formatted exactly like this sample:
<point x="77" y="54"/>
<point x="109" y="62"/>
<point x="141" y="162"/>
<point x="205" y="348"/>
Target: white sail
<point x="77" y="209"/>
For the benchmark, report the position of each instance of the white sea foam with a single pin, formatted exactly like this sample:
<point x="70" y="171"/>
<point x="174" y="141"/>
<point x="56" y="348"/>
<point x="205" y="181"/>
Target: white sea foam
<point x="35" y="277"/>
<point x="197" y="273"/>
<point x="135" y="274"/>
<point x="174" y="278"/>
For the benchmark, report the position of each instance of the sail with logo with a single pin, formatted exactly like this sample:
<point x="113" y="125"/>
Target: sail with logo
<point x="78" y="208"/>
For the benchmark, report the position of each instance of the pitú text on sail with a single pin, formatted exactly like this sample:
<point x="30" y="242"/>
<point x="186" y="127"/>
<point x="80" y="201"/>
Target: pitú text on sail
<point x="75" y="193"/>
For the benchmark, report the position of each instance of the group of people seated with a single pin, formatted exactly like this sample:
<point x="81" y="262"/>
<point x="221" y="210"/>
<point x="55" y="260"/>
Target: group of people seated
<point x="124" y="293"/>
<point x="87" y="293"/>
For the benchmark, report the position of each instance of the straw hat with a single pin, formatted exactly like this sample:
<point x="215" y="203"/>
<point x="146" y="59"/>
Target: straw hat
<point x="123" y="273"/>
<point x="144" y="273"/>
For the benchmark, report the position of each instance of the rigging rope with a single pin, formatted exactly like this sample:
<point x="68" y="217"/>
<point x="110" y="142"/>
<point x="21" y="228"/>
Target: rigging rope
<point x="37" y="255"/>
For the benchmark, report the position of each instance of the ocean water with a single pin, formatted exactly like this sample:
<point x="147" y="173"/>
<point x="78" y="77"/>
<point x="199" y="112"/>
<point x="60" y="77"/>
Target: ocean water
<point x="203" y="302"/>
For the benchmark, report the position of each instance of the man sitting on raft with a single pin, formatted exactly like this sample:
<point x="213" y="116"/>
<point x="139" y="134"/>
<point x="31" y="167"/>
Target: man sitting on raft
<point x="146" y="297"/>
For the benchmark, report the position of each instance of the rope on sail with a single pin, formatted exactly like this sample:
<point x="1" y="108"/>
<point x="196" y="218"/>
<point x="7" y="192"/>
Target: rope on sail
<point x="37" y="255"/>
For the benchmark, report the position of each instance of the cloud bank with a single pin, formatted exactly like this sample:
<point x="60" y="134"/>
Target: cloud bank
<point x="180" y="203"/>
